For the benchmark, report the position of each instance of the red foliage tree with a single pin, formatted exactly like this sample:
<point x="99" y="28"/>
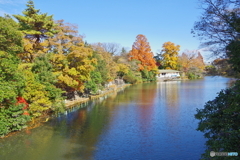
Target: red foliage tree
<point x="21" y="100"/>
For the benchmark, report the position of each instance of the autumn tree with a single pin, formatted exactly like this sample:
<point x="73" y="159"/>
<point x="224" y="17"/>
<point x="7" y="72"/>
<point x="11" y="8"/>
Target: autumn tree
<point x="40" y="91"/>
<point x="71" y="59"/>
<point x="128" y="70"/>
<point x="122" y="62"/>
<point x="123" y="69"/>
<point x="34" y="92"/>
<point x="222" y="67"/>
<point x="37" y="27"/>
<point x="199" y="61"/>
<point x="190" y="59"/>
<point x="141" y="51"/>
<point x="191" y="63"/>
<point x="106" y="58"/>
<point x="169" y="55"/>
<point x="43" y="73"/>
<point x="185" y="61"/>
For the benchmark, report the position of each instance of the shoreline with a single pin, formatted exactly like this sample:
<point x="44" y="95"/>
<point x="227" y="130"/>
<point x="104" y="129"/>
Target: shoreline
<point x="71" y="103"/>
<point x="39" y="121"/>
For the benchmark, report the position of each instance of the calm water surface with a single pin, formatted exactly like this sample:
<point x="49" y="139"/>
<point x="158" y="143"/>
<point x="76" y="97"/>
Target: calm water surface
<point x="143" y="122"/>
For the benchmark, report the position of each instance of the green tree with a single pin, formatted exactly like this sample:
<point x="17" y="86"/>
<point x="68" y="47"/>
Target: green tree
<point x="11" y="79"/>
<point x="101" y="68"/>
<point x="233" y="52"/>
<point x="10" y="38"/>
<point x="94" y="84"/>
<point x="11" y="86"/>
<point x="222" y="66"/>
<point x="220" y="121"/>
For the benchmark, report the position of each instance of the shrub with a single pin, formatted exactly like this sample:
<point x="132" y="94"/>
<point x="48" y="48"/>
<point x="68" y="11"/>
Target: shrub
<point x="129" y="79"/>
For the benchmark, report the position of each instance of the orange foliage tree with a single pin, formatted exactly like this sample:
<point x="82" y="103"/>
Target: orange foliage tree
<point x="141" y="51"/>
<point x="191" y="59"/>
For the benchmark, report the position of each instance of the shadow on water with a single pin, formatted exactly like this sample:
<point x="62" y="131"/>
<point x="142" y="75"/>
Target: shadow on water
<point x="145" y="121"/>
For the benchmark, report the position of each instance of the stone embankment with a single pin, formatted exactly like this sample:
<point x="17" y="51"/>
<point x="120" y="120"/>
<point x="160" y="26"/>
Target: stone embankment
<point x="79" y="100"/>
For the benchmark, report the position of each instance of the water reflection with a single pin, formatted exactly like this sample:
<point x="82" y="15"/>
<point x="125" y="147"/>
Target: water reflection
<point x="170" y="92"/>
<point x="147" y="94"/>
<point x="145" y="121"/>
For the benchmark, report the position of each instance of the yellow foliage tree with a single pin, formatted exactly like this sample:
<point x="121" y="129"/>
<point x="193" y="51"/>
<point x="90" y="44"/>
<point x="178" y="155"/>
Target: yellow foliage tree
<point x="34" y="92"/>
<point x="169" y="55"/>
<point x="123" y="69"/>
<point x="30" y="51"/>
<point x="71" y="58"/>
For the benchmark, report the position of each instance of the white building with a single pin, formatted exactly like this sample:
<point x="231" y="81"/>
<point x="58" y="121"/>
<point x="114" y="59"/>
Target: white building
<point x="168" y="73"/>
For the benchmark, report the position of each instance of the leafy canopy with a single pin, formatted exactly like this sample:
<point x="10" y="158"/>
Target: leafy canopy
<point x="170" y="55"/>
<point x="10" y="37"/>
<point x="71" y="59"/>
<point x="37" y="27"/>
<point x="141" y="51"/>
<point x="11" y="79"/>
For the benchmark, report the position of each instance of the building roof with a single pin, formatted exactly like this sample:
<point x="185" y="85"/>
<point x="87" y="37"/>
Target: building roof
<point x="168" y="71"/>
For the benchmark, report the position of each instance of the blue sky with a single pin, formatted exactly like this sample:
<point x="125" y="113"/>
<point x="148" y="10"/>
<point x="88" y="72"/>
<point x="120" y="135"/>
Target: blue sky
<point x="120" y="21"/>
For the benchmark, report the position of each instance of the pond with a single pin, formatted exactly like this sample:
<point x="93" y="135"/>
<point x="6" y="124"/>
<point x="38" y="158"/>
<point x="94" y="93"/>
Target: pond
<point x="148" y="121"/>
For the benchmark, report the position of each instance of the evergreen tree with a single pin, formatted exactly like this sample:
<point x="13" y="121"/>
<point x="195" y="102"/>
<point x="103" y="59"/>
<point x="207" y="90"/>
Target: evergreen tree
<point x="36" y="27"/>
<point x="10" y="37"/>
